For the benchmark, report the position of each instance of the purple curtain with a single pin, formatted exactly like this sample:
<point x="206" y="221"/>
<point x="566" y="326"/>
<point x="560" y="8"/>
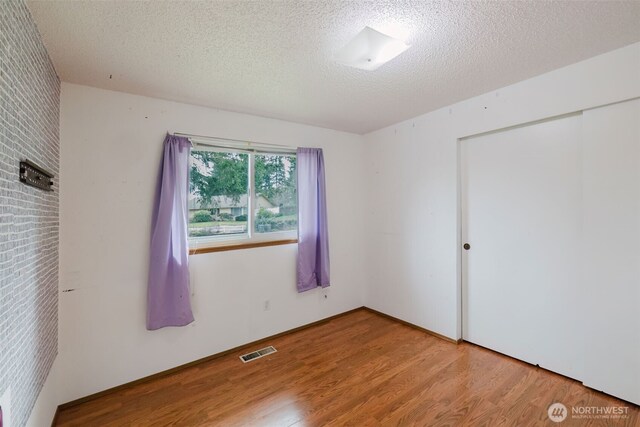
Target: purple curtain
<point x="168" y="296"/>
<point x="313" y="233"/>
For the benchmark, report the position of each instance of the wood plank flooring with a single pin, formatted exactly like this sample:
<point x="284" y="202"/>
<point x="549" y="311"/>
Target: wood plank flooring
<point x="360" y="369"/>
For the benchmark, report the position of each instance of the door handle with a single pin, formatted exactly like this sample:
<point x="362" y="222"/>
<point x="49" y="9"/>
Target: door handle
<point x="466" y="246"/>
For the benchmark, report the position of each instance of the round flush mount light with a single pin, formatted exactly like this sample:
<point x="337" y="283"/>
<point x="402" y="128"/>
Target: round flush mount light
<point x="369" y="49"/>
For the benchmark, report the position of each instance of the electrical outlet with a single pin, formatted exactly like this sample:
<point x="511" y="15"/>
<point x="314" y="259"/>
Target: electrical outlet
<point x="267" y="305"/>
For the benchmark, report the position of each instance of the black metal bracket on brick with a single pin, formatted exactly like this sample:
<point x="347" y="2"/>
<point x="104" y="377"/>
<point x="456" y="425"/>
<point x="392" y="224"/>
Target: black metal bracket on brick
<point x="35" y="176"/>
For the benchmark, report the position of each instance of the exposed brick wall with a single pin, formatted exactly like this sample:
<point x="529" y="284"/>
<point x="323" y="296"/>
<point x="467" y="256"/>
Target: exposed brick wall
<point x="29" y="121"/>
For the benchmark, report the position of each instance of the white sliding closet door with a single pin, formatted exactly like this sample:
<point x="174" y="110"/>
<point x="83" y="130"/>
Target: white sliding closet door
<point x="611" y="275"/>
<point x="520" y="196"/>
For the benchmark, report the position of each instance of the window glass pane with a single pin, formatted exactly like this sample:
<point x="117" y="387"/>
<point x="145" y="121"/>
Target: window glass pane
<point x="218" y="194"/>
<point x="276" y="207"/>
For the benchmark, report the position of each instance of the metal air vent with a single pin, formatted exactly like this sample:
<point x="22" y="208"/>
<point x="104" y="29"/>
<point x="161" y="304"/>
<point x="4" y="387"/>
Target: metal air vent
<point x="257" y="354"/>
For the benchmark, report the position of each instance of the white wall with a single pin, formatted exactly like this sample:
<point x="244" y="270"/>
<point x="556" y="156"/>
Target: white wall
<point x="412" y="167"/>
<point x="111" y="145"/>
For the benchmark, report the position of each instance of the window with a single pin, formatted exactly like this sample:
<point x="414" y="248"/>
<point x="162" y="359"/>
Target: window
<point x="241" y="196"/>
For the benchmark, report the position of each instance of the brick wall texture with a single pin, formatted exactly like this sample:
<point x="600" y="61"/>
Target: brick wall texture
<point x="29" y="128"/>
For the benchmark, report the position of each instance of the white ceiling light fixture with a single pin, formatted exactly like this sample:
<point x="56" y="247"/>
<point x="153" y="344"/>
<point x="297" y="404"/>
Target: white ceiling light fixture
<point x="370" y="49"/>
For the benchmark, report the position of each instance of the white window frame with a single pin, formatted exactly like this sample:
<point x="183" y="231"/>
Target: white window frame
<point x="251" y="236"/>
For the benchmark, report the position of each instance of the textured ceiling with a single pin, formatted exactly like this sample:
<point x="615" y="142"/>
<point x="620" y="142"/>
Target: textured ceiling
<point x="274" y="58"/>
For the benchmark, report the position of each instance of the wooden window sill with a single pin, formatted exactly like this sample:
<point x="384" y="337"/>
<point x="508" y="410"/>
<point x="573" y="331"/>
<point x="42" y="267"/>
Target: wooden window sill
<point x="236" y="246"/>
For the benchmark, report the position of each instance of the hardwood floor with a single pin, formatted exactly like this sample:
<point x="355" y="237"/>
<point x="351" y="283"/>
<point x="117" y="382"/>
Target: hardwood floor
<point x="360" y="369"/>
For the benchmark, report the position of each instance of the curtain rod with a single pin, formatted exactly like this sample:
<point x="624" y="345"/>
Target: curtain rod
<point x="248" y="143"/>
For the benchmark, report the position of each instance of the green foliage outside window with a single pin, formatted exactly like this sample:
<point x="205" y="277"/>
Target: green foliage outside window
<point x="201" y="216"/>
<point x="220" y="183"/>
<point x="226" y="174"/>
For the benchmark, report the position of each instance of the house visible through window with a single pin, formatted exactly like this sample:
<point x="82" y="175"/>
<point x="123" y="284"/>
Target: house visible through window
<point x="240" y="195"/>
